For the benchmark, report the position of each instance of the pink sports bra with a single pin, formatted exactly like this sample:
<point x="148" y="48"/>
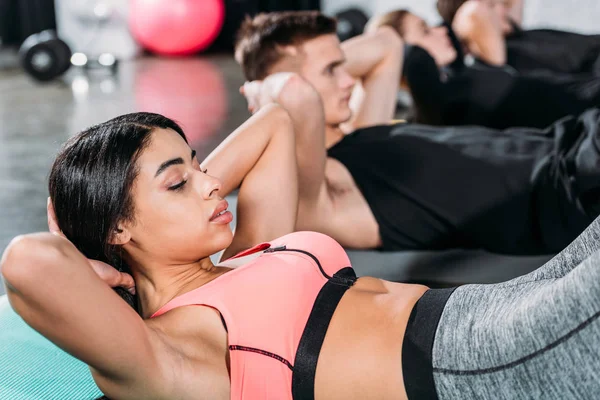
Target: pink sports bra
<point x="266" y="305"/>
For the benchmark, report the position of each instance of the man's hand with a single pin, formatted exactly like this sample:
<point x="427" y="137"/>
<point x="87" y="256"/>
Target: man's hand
<point x="111" y="276"/>
<point x="261" y="93"/>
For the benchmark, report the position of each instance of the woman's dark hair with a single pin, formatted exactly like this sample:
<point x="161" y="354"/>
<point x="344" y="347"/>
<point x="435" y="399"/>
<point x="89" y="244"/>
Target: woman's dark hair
<point x="91" y="180"/>
<point x="449" y="8"/>
<point x="393" y="19"/>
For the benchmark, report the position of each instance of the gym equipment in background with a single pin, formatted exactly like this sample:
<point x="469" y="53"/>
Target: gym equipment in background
<point x="105" y="61"/>
<point x="176" y="27"/>
<point x="44" y="56"/>
<point x="351" y="22"/>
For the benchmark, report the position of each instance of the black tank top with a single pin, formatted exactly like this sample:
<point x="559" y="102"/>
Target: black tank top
<point x="437" y="188"/>
<point x="531" y="51"/>
<point x="494" y="97"/>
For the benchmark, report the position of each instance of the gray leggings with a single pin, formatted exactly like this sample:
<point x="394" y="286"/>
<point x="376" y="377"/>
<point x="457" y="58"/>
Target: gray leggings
<point x="534" y="337"/>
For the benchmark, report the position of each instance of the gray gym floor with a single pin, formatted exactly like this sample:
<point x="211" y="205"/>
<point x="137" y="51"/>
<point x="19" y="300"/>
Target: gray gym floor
<point x="201" y="92"/>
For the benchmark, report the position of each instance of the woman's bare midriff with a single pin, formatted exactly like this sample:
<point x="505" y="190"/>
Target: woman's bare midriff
<point x="361" y="357"/>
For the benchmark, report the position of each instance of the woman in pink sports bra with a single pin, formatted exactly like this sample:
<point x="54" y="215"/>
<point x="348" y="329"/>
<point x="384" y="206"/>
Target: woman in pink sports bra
<point x="158" y="215"/>
<point x="286" y="319"/>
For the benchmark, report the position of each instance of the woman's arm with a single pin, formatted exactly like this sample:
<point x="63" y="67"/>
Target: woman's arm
<point x="375" y="60"/>
<point x="479" y="28"/>
<point x="237" y="155"/>
<point x="53" y="288"/>
<point x="516" y="11"/>
<point x="259" y="157"/>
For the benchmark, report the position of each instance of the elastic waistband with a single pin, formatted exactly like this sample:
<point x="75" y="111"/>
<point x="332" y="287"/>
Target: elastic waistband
<point x="417" y="368"/>
<point x="307" y="355"/>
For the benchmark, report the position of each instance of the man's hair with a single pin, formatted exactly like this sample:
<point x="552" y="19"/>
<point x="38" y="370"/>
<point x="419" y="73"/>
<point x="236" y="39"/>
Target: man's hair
<point x="394" y="19"/>
<point x="448" y="8"/>
<point x="259" y="40"/>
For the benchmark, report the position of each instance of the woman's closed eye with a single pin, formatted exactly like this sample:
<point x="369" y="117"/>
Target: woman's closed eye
<point x="196" y="165"/>
<point x="179" y="186"/>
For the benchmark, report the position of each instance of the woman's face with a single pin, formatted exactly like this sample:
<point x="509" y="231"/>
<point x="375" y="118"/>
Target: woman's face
<point x="501" y="10"/>
<point x="178" y="210"/>
<point x="434" y="40"/>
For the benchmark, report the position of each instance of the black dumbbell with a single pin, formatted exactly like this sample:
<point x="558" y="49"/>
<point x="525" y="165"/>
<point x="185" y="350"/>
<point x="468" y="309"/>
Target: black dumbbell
<point x="351" y="23"/>
<point x="105" y="61"/>
<point x="44" y="56"/>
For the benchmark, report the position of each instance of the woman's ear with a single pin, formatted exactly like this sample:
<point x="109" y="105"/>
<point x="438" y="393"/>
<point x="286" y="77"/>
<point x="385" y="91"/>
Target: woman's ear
<point x="120" y="236"/>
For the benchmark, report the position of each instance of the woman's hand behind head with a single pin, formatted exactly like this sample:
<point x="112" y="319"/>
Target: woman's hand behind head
<point x="111" y="276"/>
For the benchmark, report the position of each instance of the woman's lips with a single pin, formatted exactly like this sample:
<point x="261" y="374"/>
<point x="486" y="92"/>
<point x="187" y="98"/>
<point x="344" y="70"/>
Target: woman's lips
<point x="220" y="209"/>
<point x="224" y="218"/>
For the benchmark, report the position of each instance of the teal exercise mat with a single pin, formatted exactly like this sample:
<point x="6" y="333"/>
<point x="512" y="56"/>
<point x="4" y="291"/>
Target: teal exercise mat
<point x="32" y="368"/>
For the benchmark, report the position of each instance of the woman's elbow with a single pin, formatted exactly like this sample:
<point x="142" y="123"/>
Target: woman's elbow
<point x="28" y="258"/>
<point x="390" y="37"/>
<point x="469" y="18"/>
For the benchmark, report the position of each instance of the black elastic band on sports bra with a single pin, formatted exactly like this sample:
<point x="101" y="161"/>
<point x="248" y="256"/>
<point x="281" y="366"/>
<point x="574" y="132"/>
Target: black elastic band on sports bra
<point x="417" y="367"/>
<point x="307" y="355"/>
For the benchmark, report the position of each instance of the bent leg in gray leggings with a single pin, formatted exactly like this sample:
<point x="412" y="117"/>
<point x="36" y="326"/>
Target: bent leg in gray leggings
<point x="534" y="337"/>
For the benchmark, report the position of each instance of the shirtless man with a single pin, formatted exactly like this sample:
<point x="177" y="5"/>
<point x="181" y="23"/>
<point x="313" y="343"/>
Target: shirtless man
<point x="370" y="184"/>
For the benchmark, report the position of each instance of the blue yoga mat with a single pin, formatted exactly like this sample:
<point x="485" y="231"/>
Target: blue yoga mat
<point x="32" y="368"/>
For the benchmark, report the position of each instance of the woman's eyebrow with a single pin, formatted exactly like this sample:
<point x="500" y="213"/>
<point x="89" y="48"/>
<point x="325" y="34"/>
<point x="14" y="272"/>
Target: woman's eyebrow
<point x="174" y="161"/>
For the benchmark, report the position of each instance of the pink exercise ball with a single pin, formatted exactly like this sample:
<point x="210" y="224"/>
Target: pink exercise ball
<point x="176" y="27"/>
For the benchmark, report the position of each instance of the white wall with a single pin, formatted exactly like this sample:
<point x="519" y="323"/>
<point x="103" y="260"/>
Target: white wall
<point x="424" y="8"/>
<point x="573" y="15"/>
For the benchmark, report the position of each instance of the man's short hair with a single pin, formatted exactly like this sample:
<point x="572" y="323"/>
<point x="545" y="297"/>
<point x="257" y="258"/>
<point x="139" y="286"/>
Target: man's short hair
<point x="448" y="8"/>
<point x="259" y="40"/>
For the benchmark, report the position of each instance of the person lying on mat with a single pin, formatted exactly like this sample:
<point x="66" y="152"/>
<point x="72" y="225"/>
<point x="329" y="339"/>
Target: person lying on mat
<point x="408" y="186"/>
<point x="447" y="94"/>
<point x="488" y="32"/>
<point x="286" y="318"/>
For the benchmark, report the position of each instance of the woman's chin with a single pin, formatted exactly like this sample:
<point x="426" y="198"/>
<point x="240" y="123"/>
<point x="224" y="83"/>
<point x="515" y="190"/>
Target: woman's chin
<point x="208" y="244"/>
<point x="507" y="28"/>
<point x="224" y="239"/>
<point x="449" y="58"/>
